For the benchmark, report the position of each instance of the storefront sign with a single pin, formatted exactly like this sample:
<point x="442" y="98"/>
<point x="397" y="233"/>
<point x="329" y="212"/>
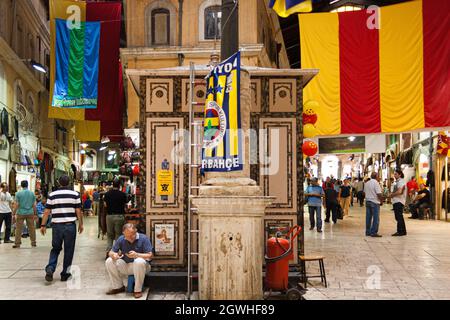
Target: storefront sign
<point x="164" y="182"/>
<point x="164" y="239"/>
<point x="342" y="145"/>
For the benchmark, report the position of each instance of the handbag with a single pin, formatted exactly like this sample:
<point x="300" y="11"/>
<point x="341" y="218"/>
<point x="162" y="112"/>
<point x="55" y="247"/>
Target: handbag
<point x="340" y="212"/>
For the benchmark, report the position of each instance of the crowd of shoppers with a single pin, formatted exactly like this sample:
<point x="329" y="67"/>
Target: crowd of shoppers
<point x="336" y="196"/>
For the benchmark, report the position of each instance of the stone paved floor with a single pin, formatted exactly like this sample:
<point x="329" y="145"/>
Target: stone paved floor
<point x="413" y="267"/>
<point x="416" y="266"/>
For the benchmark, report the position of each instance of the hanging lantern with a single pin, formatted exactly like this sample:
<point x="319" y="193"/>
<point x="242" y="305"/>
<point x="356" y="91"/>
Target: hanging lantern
<point x="309" y="148"/>
<point x="310" y="109"/>
<point x="136" y="170"/>
<point x="311" y="104"/>
<point x="309" y="131"/>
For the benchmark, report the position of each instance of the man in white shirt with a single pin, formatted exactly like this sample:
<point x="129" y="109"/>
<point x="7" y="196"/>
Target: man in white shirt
<point x="374" y="199"/>
<point x="398" y="200"/>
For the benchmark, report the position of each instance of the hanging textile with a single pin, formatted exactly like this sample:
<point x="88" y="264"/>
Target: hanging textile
<point x="387" y="79"/>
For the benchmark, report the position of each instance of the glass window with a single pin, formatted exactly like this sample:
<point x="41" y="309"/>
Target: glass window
<point x="160" y="27"/>
<point x="213" y="17"/>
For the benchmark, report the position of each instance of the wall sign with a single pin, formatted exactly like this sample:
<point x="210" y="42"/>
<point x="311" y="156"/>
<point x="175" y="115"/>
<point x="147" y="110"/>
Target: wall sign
<point x="164" y="239"/>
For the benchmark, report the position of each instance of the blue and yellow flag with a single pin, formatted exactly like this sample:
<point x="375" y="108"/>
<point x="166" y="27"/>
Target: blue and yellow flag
<point x="222" y="143"/>
<point x="285" y="8"/>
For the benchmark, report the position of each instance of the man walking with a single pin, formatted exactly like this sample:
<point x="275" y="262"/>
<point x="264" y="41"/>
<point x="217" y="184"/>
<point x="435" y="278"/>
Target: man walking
<point x="115" y="201"/>
<point x="130" y="255"/>
<point x="95" y="201"/>
<point x="360" y="192"/>
<point x="25" y="212"/>
<point x="315" y="193"/>
<point x="65" y="207"/>
<point x="398" y="201"/>
<point x="374" y="198"/>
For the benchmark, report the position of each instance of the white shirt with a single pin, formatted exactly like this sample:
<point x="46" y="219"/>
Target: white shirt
<point x="5" y="202"/>
<point x="401" y="198"/>
<point x="372" y="188"/>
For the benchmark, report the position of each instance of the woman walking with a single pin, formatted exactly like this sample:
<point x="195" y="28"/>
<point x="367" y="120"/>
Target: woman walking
<point x="344" y="196"/>
<point x="5" y="211"/>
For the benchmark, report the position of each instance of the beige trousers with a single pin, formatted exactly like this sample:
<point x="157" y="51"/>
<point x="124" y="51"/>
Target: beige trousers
<point x="345" y="204"/>
<point x="20" y="219"/>
<point x="119" y="271"/>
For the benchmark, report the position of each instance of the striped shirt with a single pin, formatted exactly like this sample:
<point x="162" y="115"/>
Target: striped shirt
<point x="62" y="204"/>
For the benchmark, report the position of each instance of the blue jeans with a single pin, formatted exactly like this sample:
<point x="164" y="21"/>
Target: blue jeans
<point x="62" y="233"/>
<point x="318" y="211"/>
<point x="372" y="218"/>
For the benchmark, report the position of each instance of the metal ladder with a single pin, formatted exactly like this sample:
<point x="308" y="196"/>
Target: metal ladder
<point x="194" y="144"/>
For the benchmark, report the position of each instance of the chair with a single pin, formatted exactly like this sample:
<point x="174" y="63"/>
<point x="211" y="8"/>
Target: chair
<point x="322" y="275"/>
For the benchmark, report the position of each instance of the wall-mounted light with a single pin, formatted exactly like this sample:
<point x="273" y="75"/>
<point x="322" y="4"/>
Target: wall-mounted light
<point x="84" y="145"/>
<point x="37" y="66"/>
<point x="103" y="148"/>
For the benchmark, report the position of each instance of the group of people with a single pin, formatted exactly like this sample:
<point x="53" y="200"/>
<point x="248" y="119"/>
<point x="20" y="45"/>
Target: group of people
<point x="336" y="196"/>
<point x="128" y="252"/>
<point x="24" y="212"/>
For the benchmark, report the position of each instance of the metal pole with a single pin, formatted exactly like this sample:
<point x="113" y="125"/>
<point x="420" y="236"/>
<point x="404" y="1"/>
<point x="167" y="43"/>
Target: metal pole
<point x="445" y="189"/>
<point x="191" y="119"/>
<point x="230" y="28"/>
<point x="180" y="23"/>
<point x="431" y="187"/>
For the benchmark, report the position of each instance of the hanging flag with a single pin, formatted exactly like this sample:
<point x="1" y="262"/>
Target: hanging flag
<point x="85" y="40"/>
<point x="285" y="8"/>
<point x="222" y="144"/>
<point x="382" y="72"/>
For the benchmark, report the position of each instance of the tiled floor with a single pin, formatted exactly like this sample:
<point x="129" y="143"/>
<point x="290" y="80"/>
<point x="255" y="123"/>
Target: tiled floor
<point x="413" y="267"/>
<point x="416" y="266"/>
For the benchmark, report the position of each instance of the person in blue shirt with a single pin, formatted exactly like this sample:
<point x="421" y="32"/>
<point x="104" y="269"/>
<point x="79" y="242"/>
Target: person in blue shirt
<point x="130" y="255"/>
<point x="315" y="195"/>
<point x="40" y="207"/>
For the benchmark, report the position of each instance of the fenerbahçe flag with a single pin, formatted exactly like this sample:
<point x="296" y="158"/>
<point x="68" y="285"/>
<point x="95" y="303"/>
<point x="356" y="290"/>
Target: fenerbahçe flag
<point x="222" y="144"/>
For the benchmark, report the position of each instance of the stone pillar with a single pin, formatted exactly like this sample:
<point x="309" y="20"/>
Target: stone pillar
<point x="231" y="212"/>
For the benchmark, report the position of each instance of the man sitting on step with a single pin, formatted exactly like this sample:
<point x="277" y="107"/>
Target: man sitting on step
<point x="130" y="255"/>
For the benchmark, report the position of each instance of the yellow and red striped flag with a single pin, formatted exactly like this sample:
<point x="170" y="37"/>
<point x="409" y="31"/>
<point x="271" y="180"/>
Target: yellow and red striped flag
<point x="385" y="79"/>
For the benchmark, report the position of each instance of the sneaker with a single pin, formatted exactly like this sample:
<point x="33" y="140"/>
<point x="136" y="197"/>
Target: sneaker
<point x="33" y="245"/>
<point x="376" y="235"/>
<point x="48" y="275"/>
<point x="66" y="276"/>
<point x="8" y="241"/>
<point x="319" y="230"/>
<point x="311" y="228"/>
<point x="327" y="221"/>
<point x="16" y="246"/>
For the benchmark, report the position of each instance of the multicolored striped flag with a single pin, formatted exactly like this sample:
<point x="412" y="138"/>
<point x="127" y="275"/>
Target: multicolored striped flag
<point x="285" y="8"/>
<point x="222" y="144"/>
<point x="385" y="70"/>
<point x="85" y="72"/>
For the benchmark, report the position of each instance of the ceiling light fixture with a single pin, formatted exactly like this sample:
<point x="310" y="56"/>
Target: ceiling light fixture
<point x="84" y="145"/>
<point x="103" y="148"/>
<point x="352" y="138"/>
<point x="105" y="139"/>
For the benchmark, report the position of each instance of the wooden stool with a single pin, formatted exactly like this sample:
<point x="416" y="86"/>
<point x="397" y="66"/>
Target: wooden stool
<point x="322" y="275"/>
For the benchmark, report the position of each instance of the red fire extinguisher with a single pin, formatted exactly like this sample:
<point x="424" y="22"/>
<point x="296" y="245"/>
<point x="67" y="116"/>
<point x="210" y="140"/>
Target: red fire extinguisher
<point x="279" y="252"/>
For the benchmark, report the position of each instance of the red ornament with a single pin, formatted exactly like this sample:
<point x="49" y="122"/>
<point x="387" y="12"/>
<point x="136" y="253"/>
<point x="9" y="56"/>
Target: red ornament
<point x="136" y="170"/>
<point x="309" y="118"/>
<point x="309" y="148"/>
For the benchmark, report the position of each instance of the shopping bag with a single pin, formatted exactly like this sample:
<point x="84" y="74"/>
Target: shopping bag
<point x="340" y="212"/>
